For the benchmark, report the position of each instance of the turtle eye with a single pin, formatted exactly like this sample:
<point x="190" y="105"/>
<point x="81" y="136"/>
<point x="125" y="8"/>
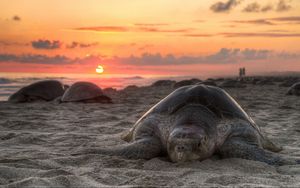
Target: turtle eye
<point x="199" y="144"/>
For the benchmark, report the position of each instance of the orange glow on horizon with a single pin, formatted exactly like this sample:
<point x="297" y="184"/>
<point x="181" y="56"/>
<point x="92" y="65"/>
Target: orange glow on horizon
<point x="106" y="32"/>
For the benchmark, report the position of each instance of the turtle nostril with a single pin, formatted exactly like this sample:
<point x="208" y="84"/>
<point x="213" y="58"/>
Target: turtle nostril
<point x="180" y="148"/>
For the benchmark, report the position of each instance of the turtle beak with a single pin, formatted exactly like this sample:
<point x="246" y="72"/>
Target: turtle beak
<point x="180" y="156"/>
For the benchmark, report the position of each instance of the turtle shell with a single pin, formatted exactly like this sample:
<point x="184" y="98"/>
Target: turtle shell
<point x="45" y="90"/>
<point x="81" y="91"/>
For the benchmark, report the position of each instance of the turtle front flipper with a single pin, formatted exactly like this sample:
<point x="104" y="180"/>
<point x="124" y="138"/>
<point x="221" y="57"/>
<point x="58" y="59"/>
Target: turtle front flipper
<point x="145" y="148"/>
<point x="238" y="148"/>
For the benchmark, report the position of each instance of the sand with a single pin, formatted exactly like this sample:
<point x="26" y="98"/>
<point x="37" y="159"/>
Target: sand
<point x="36" y="140"/>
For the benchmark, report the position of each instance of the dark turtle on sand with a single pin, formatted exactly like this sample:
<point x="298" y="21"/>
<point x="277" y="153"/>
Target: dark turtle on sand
<point x="294" y="89"/>
<point x="232" y="84"/>
<point x="186" y="82"/>
<point x="194" y="123"/>
<point x="85" y="92"/>
<point x="46" y="90"/>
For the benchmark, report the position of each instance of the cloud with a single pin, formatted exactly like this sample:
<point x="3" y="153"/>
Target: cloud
<point x="223" y="56"/>
<point x="283" y="6"/>
<point x="36" y="59"/>
<point x="267" y="34"/>
<point x="137" y="28"/>
<point x="46" y="44"/>
<point x="9" y="43"/>
<point x="271" y="21"/>
<point x="266" y="8"/>
<point x="256" y="22"/>
<point x="255" y="7"/>
<point x="104" y="29"/>
<point x="158" y="30"/>
<point x="81" y="45"/>
<point x="224" y="6"/>
<point x="291" y="19"/>
<point x="16" y="18"/>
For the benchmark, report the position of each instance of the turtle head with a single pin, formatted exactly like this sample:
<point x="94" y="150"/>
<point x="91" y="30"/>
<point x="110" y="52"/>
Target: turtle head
<point x="187" y="144"/>
<point x="193" y="136"/>
<point x="17" y="97"/>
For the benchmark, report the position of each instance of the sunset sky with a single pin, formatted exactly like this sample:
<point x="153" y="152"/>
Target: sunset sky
<point x="142" y="37"/>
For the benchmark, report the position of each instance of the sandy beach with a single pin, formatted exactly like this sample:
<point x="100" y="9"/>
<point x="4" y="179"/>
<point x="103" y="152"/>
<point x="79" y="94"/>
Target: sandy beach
<point x="36" y="140"/>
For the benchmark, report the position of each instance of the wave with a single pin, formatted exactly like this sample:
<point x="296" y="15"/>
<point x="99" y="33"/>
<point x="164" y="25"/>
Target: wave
<point x="5" y="81"/>
<point x="134" y="78"/>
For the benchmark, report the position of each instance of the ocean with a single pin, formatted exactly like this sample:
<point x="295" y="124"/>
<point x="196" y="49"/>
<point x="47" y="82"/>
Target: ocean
<point x="12" y="82"/>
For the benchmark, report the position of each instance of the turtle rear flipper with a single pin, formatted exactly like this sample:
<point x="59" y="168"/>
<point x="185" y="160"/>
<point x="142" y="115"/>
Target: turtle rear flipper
<point x="238" y="148"/>
<point x="269" y="145"/>
<point x="146" y="148"/>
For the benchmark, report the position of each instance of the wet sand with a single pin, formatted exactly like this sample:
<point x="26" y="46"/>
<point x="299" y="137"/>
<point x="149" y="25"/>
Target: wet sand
<point x="36" y="140"/>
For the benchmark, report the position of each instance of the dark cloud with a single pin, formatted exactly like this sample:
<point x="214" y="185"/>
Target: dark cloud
<point x="36" y="59"/>
<point x="252" y="54"/>
<point x="16" y="18"/>
<point x="159" y="30"/>
<point x="257" y="22"/>
<point x="271" y="21"/>
<point x="223" y="56"/>
<point x="283" y="6"/>
<point x="46" y="44"/>
<point x="291" y="19"/>
<point x="267" y="34"/>
<point x="137" y="28"/>
<point x="104" y="29"/>
<point x="81" y="45"/>
<point x="224" y="6"/>
<point x="252" y="7"/>
<point x="255" y="7"/>
<point x="266" y="8"/>
<point x="9" y="43"/>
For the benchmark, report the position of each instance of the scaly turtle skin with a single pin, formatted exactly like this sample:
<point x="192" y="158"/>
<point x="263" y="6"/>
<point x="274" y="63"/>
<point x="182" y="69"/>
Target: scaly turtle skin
<point x="85" y="92"/>
<point x="46" y="90"/>
<point x="194" y="123"/>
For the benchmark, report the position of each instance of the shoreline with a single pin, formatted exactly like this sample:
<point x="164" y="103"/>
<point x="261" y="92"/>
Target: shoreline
<point x="36" y="140"/>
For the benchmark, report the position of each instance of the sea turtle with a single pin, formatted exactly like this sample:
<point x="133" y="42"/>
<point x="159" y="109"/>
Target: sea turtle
<point x="85" y="92"/>
<point x="194" y="123"/>
<point x="294" y="89"/>
<point x="46" y="90"/>
<point x="231" y="83"/>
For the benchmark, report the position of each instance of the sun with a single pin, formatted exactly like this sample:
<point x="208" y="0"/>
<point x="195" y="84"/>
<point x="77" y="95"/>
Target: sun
<point x="99" y="69"/>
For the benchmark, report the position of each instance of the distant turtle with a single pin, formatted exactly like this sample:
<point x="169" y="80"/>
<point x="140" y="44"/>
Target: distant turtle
<point x="46" y="90"/>
<point x="85" y="92"/>
<point x="186" y="82"/>
<point x="230" y="83"/>
<point x="194" y="123"/>
<point x="294" y="89"/>
<point x="164" y="83"/>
